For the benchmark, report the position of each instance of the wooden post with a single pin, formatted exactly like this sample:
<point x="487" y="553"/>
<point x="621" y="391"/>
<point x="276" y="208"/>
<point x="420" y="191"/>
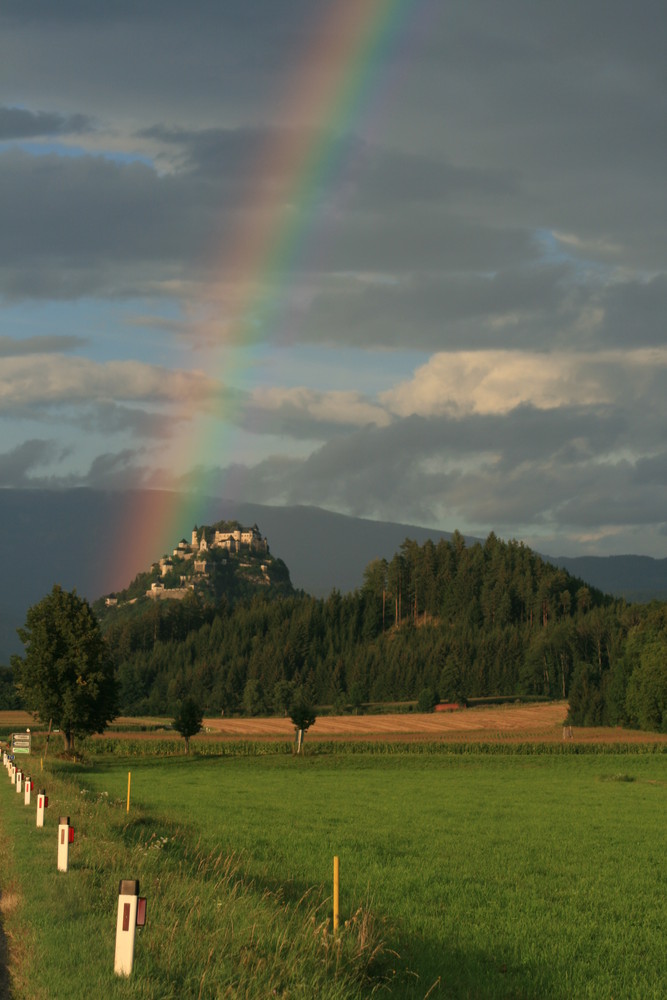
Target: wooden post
<point x="336" y="873"/>
<point x="129" y="778"/>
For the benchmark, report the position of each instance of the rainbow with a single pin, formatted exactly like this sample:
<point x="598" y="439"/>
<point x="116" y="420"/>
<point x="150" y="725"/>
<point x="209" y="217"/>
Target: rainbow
<point x="342" y="85"/>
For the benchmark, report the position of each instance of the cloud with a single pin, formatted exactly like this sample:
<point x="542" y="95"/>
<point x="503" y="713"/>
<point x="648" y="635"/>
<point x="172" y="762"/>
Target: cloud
<point x="77" y="226"/>
<point x="301" y="412"/>
<point x="12" y="347"/>
<point x="530" y="307"/>
<point x="524" y="471"/>
<point x="118" y="470"/>
<point x="52" y="380"/>
<point x="17" y="465"/>
<point x="483" y="233"/>
<point x="21" y="123"/>
<point x="635" y="312"/>
<point x="30" y="465"/>
<point x="497" y="382"/>
<point x="107" y="418"/>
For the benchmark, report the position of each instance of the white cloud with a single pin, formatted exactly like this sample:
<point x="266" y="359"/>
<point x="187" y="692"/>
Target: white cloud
<point x="488" y="382"/>
<point x="50" y="379"/>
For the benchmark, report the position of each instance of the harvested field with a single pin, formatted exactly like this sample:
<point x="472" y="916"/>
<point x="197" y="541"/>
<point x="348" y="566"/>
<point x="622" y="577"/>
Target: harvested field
<point x="506" y="723"/>
<point x="500" y="723"/>
<point x="22" y="720"/>
<point x="541" y="722"/>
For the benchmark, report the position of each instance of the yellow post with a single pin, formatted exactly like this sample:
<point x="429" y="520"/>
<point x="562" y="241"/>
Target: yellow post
<point x="41" y="763"/>
<point x="129" y="778"/>
<point x="335" y="894"/>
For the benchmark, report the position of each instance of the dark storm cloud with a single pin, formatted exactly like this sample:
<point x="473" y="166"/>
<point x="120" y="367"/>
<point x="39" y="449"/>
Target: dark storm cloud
<point x="636" y="313"/>
<point x="291" y="423"/>
<point x="423" y="237"/>
<point x="187" y="62"/>
<point x="227" y="153"/>
<point x="17" y="467"/>
<point x="383" y="177"/>
<point x="117" y="470"/>
<point x="88" y="225"/>
<point x="110" y="418"/>
<point x="19" y="123"/>
<point x="81" y="207"/>
<point x="652" y="470"/>
<point x="23" y="466"/>
<point x="97" y="418"/>
<point x="529" y="307"/>
<point x="514" y="119"/>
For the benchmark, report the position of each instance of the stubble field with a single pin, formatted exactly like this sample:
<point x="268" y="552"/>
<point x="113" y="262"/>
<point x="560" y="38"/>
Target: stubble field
<point x="539" y="722"/>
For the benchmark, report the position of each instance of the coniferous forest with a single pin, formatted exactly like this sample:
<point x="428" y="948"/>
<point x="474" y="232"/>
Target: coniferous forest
<point x="444" y="621"/>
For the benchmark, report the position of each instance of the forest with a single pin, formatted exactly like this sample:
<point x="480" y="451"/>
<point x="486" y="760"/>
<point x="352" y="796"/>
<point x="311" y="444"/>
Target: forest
<point x="437" y="622"/>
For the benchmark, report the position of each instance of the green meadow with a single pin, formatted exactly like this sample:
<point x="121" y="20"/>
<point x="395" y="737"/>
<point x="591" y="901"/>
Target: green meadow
<point x="521" y="876"/>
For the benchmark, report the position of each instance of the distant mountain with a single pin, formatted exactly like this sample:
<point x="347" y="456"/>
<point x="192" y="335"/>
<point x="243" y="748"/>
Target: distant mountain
<point x="72" y="537"/>
<point x="636" y="578"/>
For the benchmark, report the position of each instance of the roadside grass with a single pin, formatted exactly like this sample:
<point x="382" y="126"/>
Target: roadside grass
<point x="212" y="931"/>
<point x="468" y="875"/>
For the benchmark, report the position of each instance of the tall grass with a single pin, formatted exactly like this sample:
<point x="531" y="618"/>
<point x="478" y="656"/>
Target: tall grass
<point x="212" y="930"/>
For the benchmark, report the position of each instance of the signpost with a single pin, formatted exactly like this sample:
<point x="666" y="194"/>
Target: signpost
<point x="22" y="742"/>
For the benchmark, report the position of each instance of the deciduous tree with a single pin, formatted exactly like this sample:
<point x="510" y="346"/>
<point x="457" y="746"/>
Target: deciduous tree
<point x="188" y="720"/>
<point x="66" y="675"/>
<point x="302" y="714"/>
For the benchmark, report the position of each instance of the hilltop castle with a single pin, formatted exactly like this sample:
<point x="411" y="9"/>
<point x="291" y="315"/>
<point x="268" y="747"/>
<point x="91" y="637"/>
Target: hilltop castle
<point x="234" y="539"/>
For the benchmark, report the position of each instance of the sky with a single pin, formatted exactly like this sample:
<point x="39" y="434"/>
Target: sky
<point x="400" y="259"/>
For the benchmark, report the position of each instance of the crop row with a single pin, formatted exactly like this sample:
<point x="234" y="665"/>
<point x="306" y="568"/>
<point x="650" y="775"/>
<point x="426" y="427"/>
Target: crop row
<point x="261" y="748"/>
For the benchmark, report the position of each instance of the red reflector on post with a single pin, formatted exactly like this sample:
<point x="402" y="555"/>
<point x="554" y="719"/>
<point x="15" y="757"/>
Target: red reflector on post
<point x="126" y="916"/>
<point x="141" y="911"/>
<point x="71" y="834"/>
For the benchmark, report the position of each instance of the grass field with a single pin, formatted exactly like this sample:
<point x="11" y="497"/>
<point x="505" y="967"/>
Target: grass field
<point x="495" y="876"/>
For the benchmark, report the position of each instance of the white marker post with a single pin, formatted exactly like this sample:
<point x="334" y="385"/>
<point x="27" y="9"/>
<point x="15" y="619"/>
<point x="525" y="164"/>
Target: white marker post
<point x="27" y="791"/>
<point x="65" y="838"/>
<point x="42" y="804"/>
<point x="131" y="914"/>
<point x="19" y="781"/>
<point x="12" y="774"/>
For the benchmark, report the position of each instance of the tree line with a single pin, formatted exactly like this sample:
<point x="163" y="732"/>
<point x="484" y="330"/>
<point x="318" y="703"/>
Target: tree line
<point x="447" y="620"/>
